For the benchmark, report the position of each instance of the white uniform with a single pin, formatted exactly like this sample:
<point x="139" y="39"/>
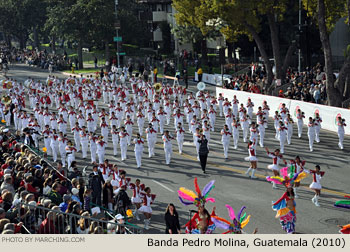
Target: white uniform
<point x="311" y="135"/>
<point x="115" y="141"/>
<point x="62" y="148"/>
<point x="282" y="135"/>
<point x="151" y="140"/>
<point x="180" y="136"/>
<point x="84" y="140"/>
<point x="168" y="148"/>
<point x="123" y="141"/>
<point x="235" y="134"/>
<point x="225" y="140"/>
<point x="93" y="148"/>
<point x="101" y="150"/>
<point x="318" y="122"/>
<point x="54" y="146"/>
<point x="140" y="122"/>
<point x="70" y="150"/>
<point x="289" y="125"/>
<point x="138" y="151"/>
<point x="300" y="118"/>
<point x="104" y="131"/>
<point x="341" y="133"/>
<point x="128" y="127"/>
<point x="47" y="141"/>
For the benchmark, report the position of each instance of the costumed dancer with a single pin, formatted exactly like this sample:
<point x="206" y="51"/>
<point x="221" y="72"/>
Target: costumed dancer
<point x="201" y="222"/>
<point x="285" y="208"/>
<point x="252" y="159"/>
<point x="316" y="183"/>
<point x="236" y="225"/>
<point x="343" y="203"/>
<point x="137" y="190"/>
<point x="276" y="158"/>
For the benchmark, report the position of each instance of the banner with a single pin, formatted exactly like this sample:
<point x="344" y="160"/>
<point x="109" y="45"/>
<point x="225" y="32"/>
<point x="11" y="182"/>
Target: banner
<point x="328" y="114"/>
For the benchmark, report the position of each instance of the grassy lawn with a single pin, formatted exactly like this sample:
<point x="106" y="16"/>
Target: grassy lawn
<point x="83" y="71"/>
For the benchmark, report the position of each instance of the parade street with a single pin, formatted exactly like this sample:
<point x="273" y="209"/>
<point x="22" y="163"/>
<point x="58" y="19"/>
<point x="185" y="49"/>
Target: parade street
<point x="232" y="186"/>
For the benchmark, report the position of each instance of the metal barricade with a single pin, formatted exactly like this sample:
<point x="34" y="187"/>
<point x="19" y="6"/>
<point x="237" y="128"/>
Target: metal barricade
<point x="41" y="220"/>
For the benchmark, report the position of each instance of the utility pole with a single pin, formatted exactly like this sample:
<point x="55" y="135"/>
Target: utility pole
<point x="299" y="49"/>
<point x="117" y="30"/>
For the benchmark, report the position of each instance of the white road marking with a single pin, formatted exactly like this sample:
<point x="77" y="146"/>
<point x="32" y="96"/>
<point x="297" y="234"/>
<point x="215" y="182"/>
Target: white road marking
<point x="170" y="190"/>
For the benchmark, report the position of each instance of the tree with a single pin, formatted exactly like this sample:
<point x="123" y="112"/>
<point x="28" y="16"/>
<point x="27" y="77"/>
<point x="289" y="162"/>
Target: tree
<point x="327" y="13"/>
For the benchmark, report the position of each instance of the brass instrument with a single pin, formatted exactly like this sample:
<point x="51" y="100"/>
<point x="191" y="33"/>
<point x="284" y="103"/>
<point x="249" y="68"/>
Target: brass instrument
<point x="158" y="87"/>
<point x="6" y="100"/>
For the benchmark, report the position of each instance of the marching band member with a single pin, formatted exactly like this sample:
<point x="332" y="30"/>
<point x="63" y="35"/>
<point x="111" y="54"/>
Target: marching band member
<point x="151" y="139"/>
<point x="266" y="110"/>
<point x="212" y="117"/>
<point x="250" y="106"/>
<point x="276" y="123"/>
<point x="54" y="144"/>
<point x="318" y="121"/>
<point x="91" y="124"/>
<point x="178" y="118"/>
<point x="289" y="123"/>
<point x="225" y="139"/>
<point x="72" y="116"/>
<point x="235" y="133"/>
<point x="206" y="130"/>
<point x="316" y="184"/>
<point x="115" y="139"/>
<point x="341" y="131"/>
<point x="311" y="133"/>
<point x="62" y="144"/>
<point x="106" y="169"/>
<point x="300" y="117"/>
<point x="221" y="100"/>
<point x="128" y="126"/>
<point x="123" y="141"/>
<point x="180" y="135"/>
<point x="226" y="106"/>
<point x="81" y="119"/>
<point x="104" y="129"/>
<point x="261" y="130"/>
<point x="167" y="146"/>
<point x="93" y="147"/>
<point x="36" y="127"/>
<point x="76" y="131"/>
<point x="229" y="118"/>
<point x="252" y="159"/>
<point x="101" y="149"/>
<point x="138" y="141"/>
<point x="53" y="121"/>
<point x="161" y="117"/>
<point x="140" y="121"/>
<point x="84" y="140"/>
<point x="62" y="125"/>
<point x="155" y="121"/>
<point x="235" y="103"/>
<point x="276" y="158"/>
<point x="254" y="134"/>
<point x="47" y="141"/>
<point x="70" y="150"/>
<point x="282" y="131"/>
<point x="284" y="111"/>
<point x="245" y="125"/>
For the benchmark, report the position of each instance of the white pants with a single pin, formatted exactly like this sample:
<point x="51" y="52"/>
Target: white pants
<point x="245" y="133"/>
<point x="289" y="135"/>
<point x="77" y="143"/>
<point x="101" y="157"/>
<point x="341" y="139"/>
<point x="180" y="143"/>
<point x="300" y="129"/>
<point x="317" y="134"/>
<point x="84" y="148"/>
<point x="261" y="138"/>
<point x="123" y="150"/>
<point x="93" y="154"/>
<point x="70" y="159"/>
<point x="105" y="136"/>
<point x="63" y="157"/>
<point x="54" y="152"/>
<point x="168" y="151"/>
<point x="161" y="127"/>
<point x="311" y="141"/>
<point x="226" y="146"/>
<point x="151" y="145"/>
<point x="47" y="145"/>
<point x="282" y="142"/>
<point x="115" y="148"/>
<point x="235" y="139"/>
<point x="138" y="156"/>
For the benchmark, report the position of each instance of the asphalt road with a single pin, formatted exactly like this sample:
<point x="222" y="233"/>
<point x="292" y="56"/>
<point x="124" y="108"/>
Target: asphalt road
<point x="232" y="186"/>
